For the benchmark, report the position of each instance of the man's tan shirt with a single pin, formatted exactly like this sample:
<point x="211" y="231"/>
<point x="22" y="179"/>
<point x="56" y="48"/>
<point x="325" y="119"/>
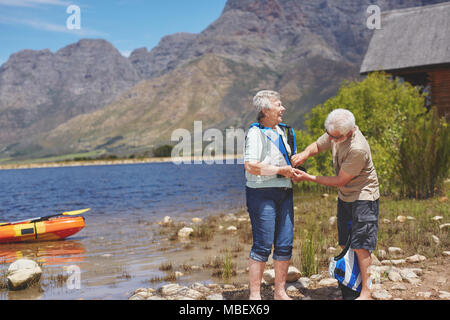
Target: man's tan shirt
<point x="354" y="157"/>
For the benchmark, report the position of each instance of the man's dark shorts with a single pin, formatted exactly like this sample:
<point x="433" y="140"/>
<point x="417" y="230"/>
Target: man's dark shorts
<point x="361" y="216"/>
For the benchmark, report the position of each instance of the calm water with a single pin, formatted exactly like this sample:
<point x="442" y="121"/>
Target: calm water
<point x="119" y="249"/>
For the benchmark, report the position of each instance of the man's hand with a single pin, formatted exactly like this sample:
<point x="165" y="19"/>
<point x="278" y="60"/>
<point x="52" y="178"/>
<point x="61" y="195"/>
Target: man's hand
<point x="299" y="158"/>
<point x="300" y="176"/>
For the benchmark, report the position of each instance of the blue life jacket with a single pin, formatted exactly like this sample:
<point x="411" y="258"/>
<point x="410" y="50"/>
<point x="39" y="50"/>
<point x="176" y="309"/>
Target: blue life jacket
<point x="279" y="143"/>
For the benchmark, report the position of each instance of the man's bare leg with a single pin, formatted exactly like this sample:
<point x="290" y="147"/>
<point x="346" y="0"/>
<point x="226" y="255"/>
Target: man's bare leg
<point x="364" y="261"/>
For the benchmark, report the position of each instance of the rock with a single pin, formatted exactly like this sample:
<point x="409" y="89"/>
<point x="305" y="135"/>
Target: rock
<point x="446" y="253"/>
<point x="316" y="277"/>
<point x="332" y="220"/>
<point x="228" y="287"/>
<point x="415" y="258"/>
<point x="200" y="288"/>
<point x="394" y="262"/>
<point x="22" y="273"/>
<point x="407" y="274"/>
<point x="375" y="261"/>
<point x="293" y="274"/>
<point x="292" y="290"/>
<point x="394" y="276"/>
<point x="435" y="239"/>
<point x="197" y="220"/>
<point x="381" y="294"/>
<point x="190" y="294"/>
<point x="399" y="286"/>
<point x="445" y="225"/>
<point x="437" y="218"/>
<point x="269" y="276"/>
<point x="185" y="232"/>
<point x="413" y="281"/>
<point x="400" y="219"/>
<point x="304" y="282"/>
<point x="417" y="271"/>
<point x="178" y="274"/>
<point x="394" y="250"/>
<point x="107" y="255"/>
<point x="386" y="221"/>
<point x="331" y="250"/>
<point x="170" y="289"/>
<point x="410" y="218"/>
<point x="328" y="282"/>
<point x="215" y="296"/>
<point x="423" y="294"/>
<point x="382" y="254"/>
<point x="231" y="229"/>
<point x="444" y="295"/>
<point x="325" y="195"/>
<point x="167" y="221"/>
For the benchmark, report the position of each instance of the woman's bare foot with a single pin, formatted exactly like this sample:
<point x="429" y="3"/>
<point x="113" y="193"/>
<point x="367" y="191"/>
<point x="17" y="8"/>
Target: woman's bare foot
<point x="281" y="296"/>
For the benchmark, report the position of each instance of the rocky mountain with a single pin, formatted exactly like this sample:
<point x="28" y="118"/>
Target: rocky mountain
<point x="88" y="97"/>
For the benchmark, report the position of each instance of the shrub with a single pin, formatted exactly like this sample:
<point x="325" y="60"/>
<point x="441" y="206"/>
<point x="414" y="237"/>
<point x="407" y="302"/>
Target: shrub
<point x="381" y="106"/>
<point x="424" y="155"/>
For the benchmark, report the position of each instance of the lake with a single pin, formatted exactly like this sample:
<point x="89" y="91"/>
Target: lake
<point x="120" y="247"/>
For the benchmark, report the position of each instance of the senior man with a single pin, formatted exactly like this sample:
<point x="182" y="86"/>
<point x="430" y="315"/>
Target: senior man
<point x="357" y="181"/>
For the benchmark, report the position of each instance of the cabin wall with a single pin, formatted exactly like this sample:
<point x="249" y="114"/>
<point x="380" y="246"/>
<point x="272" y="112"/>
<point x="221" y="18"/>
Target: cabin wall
<point x="440" y="91"/>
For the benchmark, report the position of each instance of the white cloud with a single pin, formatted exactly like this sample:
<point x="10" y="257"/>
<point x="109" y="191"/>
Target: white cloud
<point x="45" y="26"/>
<point x="33" y="3"/>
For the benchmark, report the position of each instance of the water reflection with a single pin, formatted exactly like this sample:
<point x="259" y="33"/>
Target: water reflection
<point x="45" y="253"/>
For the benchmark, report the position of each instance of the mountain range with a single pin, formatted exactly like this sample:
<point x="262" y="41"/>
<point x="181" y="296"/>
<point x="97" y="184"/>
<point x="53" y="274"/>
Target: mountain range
<point x="88" y="97"/>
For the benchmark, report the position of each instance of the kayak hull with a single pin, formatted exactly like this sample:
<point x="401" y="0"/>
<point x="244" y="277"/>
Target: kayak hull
<point x="53" y="229"/>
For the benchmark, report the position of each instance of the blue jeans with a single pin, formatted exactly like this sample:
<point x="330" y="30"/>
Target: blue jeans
<point x="271" y="213"/>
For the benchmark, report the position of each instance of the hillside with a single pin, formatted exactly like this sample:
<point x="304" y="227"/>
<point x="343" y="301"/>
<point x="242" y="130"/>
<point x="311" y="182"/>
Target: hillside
<point x="87" y="96"/>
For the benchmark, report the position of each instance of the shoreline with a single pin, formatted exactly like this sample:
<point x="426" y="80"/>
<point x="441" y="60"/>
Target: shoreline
<point x="84" y="163"/>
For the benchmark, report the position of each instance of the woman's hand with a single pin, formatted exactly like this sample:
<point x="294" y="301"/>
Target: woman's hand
<point x="288" y="171"/>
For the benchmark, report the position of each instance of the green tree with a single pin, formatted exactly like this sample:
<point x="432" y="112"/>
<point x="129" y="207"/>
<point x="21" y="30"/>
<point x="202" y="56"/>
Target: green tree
<point x="381" y="106"/>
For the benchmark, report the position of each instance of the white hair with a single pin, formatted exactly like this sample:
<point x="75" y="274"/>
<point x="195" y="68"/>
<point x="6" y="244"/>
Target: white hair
<point x="264" y="99"/>
<point x="340" y="120"/>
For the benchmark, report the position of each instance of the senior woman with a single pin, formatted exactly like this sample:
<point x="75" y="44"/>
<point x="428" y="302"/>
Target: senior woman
<point x="269" y="194"/>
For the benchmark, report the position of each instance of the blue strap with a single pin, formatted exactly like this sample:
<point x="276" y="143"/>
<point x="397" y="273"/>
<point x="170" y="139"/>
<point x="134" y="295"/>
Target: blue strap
<point x="278" y="143"/>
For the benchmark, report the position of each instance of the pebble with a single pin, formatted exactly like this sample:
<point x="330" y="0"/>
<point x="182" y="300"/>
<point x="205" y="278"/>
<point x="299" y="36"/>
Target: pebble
<point x="304" y="282"/>
<point x="435" y="239"/>
<point x="423" y="294"/>
<point x="415" y="258"/>
<point x="394" y="276"/>
<point x="445" y="225"/>
<point x="400" y="219"/>
<point x="328" y="282"/>
<point x="381" y="294"/>
<point x="185" y="232"/>
<point x="196" y="220"/>
<point x="444" y="295"/>
<point x="394" y="250"/>
<point x="394" y="262"/>
<point x="399" y="286"/>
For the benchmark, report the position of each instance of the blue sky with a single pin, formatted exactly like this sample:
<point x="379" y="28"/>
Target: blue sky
<point x="127" y="24"/>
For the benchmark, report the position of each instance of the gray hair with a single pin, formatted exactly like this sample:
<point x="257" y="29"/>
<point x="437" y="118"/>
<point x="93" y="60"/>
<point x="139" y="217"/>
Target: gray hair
<point x="263" y="100"/>
<point x="340" y="120"/>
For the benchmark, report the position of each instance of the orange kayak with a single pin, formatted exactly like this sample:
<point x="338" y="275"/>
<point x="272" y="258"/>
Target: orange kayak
<point x="52" y="229"/>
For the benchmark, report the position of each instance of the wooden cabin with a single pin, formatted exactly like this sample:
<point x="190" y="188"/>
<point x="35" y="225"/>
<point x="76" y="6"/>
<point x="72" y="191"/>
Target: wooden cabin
<point x="414" y="44"/>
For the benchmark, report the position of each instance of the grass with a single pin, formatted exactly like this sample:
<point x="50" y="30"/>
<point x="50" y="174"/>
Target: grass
<point x="314" y="234"/>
